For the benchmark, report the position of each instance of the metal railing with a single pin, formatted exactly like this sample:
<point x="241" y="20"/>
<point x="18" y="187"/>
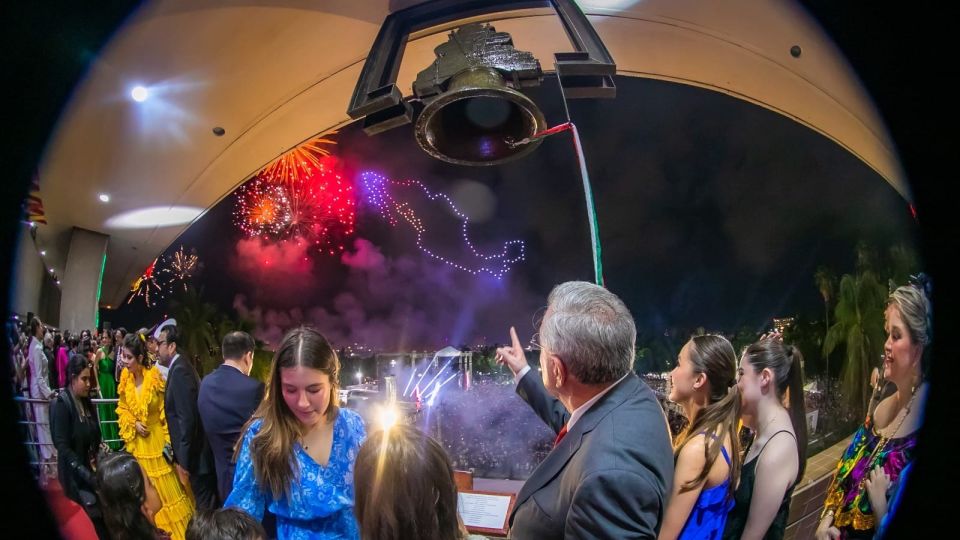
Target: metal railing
<point x="31" y="426"/>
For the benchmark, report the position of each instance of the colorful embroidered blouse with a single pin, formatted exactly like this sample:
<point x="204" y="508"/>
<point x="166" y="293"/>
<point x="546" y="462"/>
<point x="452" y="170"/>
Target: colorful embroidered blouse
<point x="846" y="496"/>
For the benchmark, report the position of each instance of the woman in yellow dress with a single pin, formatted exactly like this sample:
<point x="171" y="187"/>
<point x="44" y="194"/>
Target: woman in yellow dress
<point x="143" y="428"/>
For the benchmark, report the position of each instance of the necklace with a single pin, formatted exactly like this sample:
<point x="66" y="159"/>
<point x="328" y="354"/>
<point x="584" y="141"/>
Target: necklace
<point x="757" y="434"/>
<point x="882" y="443"/>
<point x="303" y="438"/>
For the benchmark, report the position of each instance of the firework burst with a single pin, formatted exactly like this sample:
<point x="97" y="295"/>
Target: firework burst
<point x="143" y="285"/>
<point x="299" y="196"/>
<point x="262" y="209"/>
<point x="298" y="163"/>
<point x="181" y="266"/>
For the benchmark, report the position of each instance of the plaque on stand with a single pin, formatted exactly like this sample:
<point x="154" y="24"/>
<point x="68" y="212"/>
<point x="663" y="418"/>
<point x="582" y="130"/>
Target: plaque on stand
<point x="485" y="512"/>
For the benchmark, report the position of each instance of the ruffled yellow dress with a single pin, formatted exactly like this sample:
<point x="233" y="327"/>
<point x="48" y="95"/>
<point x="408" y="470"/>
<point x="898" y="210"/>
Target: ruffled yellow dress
<point x="145" y="404"/>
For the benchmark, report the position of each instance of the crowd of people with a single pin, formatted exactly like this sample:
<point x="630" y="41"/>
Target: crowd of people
<point x="228" y="457"/>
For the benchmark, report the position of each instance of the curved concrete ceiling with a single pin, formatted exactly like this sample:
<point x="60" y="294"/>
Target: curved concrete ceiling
<point x="274" y="73"/>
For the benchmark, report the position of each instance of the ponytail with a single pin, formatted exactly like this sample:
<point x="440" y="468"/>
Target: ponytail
<point x="713" y="356"/>
<point x="786" y="363"/>
<point x="795" y="405"/>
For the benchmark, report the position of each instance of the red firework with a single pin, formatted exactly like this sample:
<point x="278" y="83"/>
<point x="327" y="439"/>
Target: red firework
<point x="302" y="196"/>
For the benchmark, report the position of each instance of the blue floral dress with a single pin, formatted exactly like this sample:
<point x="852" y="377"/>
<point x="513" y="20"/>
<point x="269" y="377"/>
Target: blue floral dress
<point x="320" y="504"/>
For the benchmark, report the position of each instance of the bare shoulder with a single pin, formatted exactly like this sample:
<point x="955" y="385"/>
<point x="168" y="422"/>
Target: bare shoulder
<point x="885" y="411"/>
<point x="692" y="456"/>
<point x="780" y="453"/>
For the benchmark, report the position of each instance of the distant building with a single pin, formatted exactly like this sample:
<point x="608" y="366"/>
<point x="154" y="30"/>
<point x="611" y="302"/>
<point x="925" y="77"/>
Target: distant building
<point x="780" y="325"/>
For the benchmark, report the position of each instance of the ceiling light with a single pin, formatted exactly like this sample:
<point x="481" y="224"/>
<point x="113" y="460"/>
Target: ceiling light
<point x="155" y="216"/>
<point x="58" y="282"/>
<point x="43" y="253"/>
<point x="51" y="270"/>
<point x="104" y="197"/>
<point x="139" y="94"/>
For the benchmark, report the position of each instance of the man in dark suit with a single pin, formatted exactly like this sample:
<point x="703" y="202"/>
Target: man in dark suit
<point x="191" y="453"/>
<point x="611" y="469"/>
<point x="228" y="398"/>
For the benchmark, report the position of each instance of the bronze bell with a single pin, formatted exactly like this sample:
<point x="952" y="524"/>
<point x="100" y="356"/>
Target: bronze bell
<point x="472" y="109"/>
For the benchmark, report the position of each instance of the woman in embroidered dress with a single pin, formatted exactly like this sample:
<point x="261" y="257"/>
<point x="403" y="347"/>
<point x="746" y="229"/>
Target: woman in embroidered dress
<point x="143" y="428"/>
<point x="886" y="442"/>
<point x="297" y="452"/>
<point x="707" y="453"/>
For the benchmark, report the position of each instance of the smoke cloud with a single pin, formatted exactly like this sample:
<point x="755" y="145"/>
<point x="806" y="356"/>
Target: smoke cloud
<point x="393" y="303"/>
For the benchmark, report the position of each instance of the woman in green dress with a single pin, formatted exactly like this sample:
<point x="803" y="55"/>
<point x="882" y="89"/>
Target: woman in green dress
<point x="108" y="390"/>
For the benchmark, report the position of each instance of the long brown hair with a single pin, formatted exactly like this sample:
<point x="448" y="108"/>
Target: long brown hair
<point x="405" y="488"/>
<point x="786" y="363"/>
<point x="272" y="447"/>
<point x="713" y="356"/>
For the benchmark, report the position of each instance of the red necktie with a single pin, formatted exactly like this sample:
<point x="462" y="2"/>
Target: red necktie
<point x="560" y="436"/>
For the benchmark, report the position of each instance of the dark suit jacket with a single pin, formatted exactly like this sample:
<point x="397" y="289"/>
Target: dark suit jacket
<point x="227" y="400"/>
<point x="610" y="477"/>
<point x="183" y="418"/>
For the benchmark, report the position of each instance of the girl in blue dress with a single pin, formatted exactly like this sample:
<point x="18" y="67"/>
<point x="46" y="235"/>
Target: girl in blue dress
<point x="297" y="453"/>
<point x="704" y="384"/>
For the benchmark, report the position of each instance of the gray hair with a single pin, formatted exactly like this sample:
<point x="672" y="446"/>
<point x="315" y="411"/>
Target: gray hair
<point x="914" y="307"/>
<point x="591" y="329"/>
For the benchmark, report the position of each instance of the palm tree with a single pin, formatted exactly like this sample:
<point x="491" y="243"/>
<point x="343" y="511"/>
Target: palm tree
<point x="194" y="318"/>
<point x="903" y="263"/>
<point x="827" y="283"/>
<point x="858" y="324"/>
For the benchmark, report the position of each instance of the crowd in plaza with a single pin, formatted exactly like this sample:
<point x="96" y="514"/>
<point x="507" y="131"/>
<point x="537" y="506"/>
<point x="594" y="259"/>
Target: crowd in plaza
<point x="164" y="454"/>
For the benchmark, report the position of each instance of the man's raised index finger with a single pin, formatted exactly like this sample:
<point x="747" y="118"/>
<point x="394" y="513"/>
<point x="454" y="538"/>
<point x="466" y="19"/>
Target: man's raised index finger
<point x="515" y="339"/>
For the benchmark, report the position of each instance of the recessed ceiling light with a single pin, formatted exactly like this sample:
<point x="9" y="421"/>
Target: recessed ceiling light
<point x="58" y="282"/>
<point x="51" y="270"/>
<point x="104" y="197"/>
<point x="43" y="253"/>
<point x="139" y="94"/>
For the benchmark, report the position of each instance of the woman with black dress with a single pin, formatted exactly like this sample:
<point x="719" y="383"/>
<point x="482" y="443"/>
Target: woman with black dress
<point x="76" y="436"/>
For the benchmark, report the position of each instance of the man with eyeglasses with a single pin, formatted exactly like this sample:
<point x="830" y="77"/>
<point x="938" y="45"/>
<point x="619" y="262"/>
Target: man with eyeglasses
<point x="610" y="472"/>
<point x="193" y="458"/>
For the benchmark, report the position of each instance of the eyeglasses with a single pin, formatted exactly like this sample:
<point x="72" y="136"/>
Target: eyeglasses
<point x="535" y="342"/>
<point x="537" y="320"/>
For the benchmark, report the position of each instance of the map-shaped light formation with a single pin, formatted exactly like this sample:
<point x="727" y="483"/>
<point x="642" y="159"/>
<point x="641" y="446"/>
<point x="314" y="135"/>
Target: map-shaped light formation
<point x="377" y="191"/>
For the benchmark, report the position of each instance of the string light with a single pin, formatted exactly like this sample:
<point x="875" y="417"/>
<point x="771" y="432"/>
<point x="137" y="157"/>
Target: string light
<point x="378" y="195"/>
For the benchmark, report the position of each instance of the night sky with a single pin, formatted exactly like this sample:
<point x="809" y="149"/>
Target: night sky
<point x="712" y="212"/>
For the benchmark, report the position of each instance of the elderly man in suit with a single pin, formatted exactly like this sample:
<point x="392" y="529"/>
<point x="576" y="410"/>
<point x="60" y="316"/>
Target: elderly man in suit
<point x="228" y="398"/>
<point x="609" y="474"/>
<point x="193" y="459"/>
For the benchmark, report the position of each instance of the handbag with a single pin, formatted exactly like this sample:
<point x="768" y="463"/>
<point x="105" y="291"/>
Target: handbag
<point x="168" y="453"/>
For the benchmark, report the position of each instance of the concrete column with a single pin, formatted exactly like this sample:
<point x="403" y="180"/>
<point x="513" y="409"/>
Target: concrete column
<point x="34" y="290"/>
<point x="28" y="276"/>
<point x="80" y="297"/>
